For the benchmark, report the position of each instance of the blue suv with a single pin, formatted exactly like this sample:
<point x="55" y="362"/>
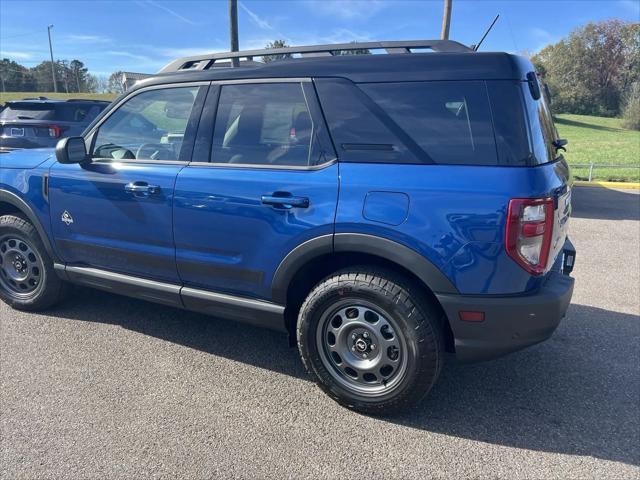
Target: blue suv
<point x="384" y="210"/>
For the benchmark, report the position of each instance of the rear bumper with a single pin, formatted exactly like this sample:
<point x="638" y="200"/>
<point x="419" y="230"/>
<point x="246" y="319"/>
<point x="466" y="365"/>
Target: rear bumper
<point x="512" y="322"/>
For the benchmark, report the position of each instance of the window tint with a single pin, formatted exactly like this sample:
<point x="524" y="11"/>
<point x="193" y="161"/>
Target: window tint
<point x="27" y="111"/>
<point x="62" y="111"/>
<point x="543" y="130"/>
<point x="359" y="134"/>
<point x="450" y="121"/>
<point x="149" y="126"/>
<point x="510" y="122"/>
<point x="264" y="124"/>
<point x="74" y="112"/>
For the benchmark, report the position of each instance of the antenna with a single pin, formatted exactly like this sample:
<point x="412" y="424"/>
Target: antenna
<point x="477" y="46"/>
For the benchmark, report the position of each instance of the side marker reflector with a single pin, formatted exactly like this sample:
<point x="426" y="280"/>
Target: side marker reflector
<point x="470" y="316"/>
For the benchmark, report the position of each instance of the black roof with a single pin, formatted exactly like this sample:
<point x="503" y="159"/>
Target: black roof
<point x="368" y="68"/>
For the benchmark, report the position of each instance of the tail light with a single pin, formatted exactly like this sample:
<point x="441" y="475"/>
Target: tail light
<point x="529" y="232"/>
<point x="54" y="131"/>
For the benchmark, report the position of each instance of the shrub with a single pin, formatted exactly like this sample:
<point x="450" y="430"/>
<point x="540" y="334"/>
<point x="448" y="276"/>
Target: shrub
<point x="631" y="108"/>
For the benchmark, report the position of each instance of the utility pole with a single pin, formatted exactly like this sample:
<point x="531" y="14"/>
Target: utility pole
<point x="53" y="68"/>
<point x="446" y="20"/>
<point x="233" y="29"/>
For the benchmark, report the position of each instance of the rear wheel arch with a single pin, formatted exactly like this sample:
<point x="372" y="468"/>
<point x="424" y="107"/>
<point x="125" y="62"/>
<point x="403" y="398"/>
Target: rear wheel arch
<point x="318" y="258"/>
<point x="10" y="203"/>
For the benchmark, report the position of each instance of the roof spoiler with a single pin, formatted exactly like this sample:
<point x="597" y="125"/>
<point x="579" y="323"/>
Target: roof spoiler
<point x="206" y="61"/>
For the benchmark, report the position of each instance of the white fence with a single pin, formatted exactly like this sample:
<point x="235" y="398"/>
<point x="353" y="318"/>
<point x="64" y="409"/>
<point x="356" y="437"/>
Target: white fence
<point x="591" y="166"/>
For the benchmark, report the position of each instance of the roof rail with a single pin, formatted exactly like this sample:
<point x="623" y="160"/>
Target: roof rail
<point x="207" y="60"/>
<point x="95" y="100"/>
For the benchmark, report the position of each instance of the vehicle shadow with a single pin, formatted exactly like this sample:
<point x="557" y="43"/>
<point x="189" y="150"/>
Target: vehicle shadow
<point x="605" y="204"/>
<point x="576" y="123"/>
<point x="577" y="393"/>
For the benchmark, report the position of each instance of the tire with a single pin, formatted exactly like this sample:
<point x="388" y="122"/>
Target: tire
<point x="27" y="278"/>
<point x="403" y="348"/>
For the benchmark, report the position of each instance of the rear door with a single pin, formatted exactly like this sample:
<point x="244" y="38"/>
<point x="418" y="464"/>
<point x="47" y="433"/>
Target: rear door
<point x="262" y="181"/>
<point x="115" y="213"/>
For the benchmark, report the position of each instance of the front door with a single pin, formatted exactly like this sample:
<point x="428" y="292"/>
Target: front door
<point x="265" y="182"/>
<point x="115" y="213"/>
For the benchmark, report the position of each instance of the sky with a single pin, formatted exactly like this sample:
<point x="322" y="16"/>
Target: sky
<point x="145" y="35"/>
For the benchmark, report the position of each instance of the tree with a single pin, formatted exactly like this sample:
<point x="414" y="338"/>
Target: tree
<point x="79" y="75"/>
<point x="114" y="84"/>
<point x="590" y="71"/>
<point x="15" y="77"/>
<point x="357" y="51"/>
<point x="276" y="44"/>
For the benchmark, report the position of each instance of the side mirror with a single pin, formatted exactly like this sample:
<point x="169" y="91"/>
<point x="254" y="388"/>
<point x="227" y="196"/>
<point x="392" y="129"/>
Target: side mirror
<point x="71" y="150"/>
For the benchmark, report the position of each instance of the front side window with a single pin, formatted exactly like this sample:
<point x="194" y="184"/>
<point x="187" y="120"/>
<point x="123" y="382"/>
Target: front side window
<point x="149" y="126"/>
<point x="264" y="124"/>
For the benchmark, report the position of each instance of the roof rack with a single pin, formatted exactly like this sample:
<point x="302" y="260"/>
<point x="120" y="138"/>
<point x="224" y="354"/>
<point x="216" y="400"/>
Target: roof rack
<point x="206" y="61"/>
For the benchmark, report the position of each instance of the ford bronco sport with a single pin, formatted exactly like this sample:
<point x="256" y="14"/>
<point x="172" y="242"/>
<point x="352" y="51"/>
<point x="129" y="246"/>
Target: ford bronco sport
<point x="382" y="209"/>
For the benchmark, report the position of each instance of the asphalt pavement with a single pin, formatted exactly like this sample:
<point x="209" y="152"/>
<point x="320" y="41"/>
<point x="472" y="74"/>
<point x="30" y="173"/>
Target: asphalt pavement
<point x="109" y="387"/>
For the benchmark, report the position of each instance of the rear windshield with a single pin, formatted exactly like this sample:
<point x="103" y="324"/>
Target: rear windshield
<point x="63" y="112"/>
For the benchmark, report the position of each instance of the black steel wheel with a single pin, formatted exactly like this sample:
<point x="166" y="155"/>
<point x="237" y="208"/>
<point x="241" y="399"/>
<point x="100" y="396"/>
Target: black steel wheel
<point x="27" y="278"/>
<point x="21" y="266"/>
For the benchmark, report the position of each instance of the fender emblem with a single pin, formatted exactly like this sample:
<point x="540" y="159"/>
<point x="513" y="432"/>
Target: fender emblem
<point x="67" y="218"/>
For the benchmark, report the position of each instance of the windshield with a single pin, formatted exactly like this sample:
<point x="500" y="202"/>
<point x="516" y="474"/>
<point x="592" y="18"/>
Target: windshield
<point x="543" y="130"/>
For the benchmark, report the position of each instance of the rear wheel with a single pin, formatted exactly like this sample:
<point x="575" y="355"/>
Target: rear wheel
<point x="27" y="278"/>
<point x="371" y="339"/>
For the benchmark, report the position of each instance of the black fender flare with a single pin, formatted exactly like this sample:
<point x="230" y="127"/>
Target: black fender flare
<point x="381" y="247"/>
<point x="14" y="200"/>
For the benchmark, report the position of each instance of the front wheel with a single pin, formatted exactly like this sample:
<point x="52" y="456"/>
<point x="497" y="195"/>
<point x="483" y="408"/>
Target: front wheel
<point x="372" y="340"/>
<point x="27" y="278"/>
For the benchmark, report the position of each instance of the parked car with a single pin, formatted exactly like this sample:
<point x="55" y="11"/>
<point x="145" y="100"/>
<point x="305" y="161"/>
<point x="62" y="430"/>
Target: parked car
<point x="382" y="210"/>
<point x="41" y="122"/>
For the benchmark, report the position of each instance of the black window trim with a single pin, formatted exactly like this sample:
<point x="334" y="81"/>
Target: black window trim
<point x="190" y="132"/>
<point x="204" y="137"/>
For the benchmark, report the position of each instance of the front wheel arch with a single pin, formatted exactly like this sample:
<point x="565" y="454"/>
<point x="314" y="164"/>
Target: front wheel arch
<point x="10" y="203"/>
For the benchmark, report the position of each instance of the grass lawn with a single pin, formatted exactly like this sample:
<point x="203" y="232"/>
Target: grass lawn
<point x="5" y="97"/>
<point x="601" y="141"/>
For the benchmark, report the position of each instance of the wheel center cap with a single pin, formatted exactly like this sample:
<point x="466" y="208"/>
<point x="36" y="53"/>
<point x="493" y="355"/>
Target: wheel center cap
<point x="19" y="264"/>
<point x="361" y="345"/>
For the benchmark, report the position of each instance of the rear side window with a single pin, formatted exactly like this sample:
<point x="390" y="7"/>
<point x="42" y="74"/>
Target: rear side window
<point x="264" y="124"/>
<point x="450" y="121"/>
<point x="360" y="129"/>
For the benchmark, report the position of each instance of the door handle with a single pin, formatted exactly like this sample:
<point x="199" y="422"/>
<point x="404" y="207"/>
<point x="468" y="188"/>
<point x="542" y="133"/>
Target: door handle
<point x="285" y="200"/>
<point x="141" y="187"/>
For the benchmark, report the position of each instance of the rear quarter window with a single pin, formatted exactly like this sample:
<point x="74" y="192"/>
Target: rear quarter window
<point x="509" y="122"/>
<point x="450" y="121"/>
